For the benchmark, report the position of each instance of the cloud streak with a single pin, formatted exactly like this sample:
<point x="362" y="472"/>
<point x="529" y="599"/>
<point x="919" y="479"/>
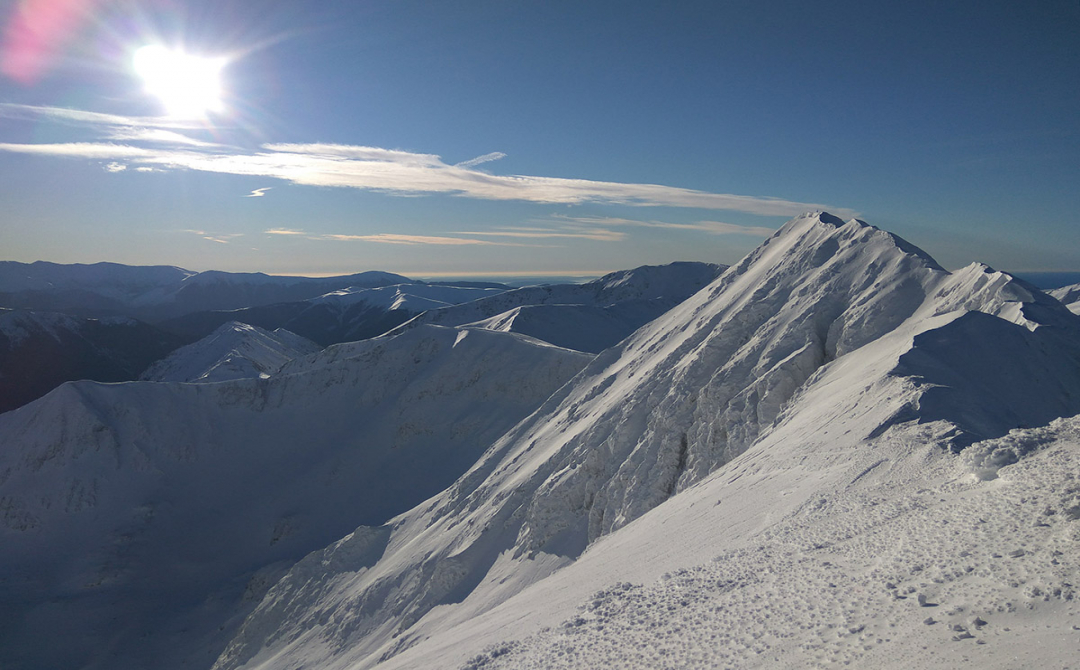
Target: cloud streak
<point x="596" y="234"/>
<point x="713" y="227"/>
<point x="391" y="171"/>
<point x="486" y="158"/>
<point x="79" y="117"/>
<point x="390" y="238"/>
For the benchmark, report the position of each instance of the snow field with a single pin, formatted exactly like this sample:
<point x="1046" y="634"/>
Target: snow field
<point x="961" y="571"/>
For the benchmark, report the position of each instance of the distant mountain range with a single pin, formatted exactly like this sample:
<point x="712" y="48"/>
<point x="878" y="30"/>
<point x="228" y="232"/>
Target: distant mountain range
<point x="60" y="341"/>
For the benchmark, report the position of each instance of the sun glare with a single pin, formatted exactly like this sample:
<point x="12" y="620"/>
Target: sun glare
<point x="188" y="86"/>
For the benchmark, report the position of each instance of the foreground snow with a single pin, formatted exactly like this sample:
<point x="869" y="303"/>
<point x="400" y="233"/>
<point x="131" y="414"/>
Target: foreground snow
<point x="911" y="556"/>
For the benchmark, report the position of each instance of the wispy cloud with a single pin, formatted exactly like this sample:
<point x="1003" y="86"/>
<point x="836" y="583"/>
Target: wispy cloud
<point x="115" y="167"/>
<point x="390" y="238"/>
<point x="220" y="238"/>
<point x="259" y="192"/>
<point x="83" y="118"/>
<point x="393" y="238"/>
<point x="156" y="135"/>
<point x="384" y="170"/>
<point x="486" y="158"/>
<point x="713" y="227"/>
<point x="597" y="234"/>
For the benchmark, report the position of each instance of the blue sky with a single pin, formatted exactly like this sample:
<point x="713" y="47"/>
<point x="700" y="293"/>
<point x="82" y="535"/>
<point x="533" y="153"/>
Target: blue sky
<point x="533" y="137"/>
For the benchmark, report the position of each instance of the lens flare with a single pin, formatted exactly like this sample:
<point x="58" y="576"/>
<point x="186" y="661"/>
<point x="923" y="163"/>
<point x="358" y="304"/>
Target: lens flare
<point x="188" y="86"/>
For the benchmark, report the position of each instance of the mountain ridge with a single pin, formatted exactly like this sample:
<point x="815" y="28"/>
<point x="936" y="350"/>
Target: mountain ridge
<point x="652" y="417"/>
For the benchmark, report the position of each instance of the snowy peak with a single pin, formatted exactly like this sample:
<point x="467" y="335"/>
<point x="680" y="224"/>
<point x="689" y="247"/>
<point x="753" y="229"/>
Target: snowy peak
<point x="233" y="351"/>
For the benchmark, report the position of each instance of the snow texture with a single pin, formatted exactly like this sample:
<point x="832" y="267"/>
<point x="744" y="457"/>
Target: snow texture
<point x="835" y="365"/>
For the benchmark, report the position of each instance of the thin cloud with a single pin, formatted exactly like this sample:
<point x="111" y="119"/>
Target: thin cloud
<point x="157" y="135"/>
<point x="713" y="227"/>
<point x="115" y="167"/>
<point x="83" y="118"/>
<point x="393" y="238"/>
<point x="486" y="158"/>
<point x="390" y="238"/>
<point x="220" y="238"/>
<point x="259" y="192"/>
<point x="406" y="173"/>
<point x="599" y="235"/>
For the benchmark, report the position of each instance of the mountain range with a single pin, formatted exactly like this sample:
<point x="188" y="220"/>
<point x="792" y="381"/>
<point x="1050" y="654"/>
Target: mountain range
<point x="835" y="452"/>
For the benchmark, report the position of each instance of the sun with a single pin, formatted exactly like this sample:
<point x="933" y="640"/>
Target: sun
<point x="188" y="86"/>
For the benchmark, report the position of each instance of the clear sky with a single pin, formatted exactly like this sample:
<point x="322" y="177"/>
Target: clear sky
<point x="532" y="137"/>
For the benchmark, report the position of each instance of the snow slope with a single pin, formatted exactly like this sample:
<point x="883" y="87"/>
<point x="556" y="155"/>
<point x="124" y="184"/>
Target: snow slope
<point x="233" y="351"/>
<point x="1070" y="295"/>
<point x="143" y="519"/>
<point x="831" y="354"/>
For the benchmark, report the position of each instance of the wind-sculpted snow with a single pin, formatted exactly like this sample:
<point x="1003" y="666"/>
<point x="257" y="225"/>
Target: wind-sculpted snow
<point x="155" y="512"/>
<point x="233" y="351"/>
<point x="828" y="337"/>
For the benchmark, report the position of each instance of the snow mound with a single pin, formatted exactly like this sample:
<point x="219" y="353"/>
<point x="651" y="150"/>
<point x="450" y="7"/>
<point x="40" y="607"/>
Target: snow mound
<point x="233" y="351"/>
<point x="826" y="338"/>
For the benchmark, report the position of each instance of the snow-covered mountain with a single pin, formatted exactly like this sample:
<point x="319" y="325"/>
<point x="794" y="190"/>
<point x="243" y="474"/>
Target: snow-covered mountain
<point x="1070" y="295"/>
<point x="41" y="350"/>
<point x="160" y="292"/>
<point x="794" y="421"/>
<point x="216" y="290"/>
<point x="233" y="351"/>
<point x="346" y="315"/>
<point x="143" y="519"/>
<point x="81" y="288"/>
<point x="587" y="317"/>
